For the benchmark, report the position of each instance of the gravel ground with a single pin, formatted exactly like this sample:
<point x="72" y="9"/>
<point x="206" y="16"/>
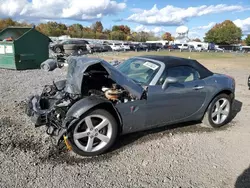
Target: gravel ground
<point x="177" y="156"/>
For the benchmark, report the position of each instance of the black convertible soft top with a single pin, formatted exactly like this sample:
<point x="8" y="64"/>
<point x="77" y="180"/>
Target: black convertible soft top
<point x="171" y="61"/>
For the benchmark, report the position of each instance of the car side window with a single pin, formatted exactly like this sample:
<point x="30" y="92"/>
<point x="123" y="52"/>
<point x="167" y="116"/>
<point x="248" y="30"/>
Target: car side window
<point x="183" y="73"/>
<point x="162" y="78"/>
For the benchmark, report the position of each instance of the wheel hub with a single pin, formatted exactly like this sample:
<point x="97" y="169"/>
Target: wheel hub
<point x="92" y="133"/>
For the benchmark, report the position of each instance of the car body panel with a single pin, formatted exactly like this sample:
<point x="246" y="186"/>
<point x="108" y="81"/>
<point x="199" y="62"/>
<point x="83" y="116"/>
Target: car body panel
<point x="178" y="102"/>
<point x="133" y="115"/>
<point x="83" y="105"/>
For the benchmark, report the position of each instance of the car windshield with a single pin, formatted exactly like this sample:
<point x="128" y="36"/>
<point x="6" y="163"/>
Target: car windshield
<point x="140" y="70"/>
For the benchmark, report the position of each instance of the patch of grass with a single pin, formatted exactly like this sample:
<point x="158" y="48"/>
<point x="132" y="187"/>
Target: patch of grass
<point x="192" y="55"/>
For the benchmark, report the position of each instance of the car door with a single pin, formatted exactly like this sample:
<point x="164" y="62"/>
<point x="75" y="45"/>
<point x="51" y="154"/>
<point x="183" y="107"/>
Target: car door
<point x="179" y="100"/>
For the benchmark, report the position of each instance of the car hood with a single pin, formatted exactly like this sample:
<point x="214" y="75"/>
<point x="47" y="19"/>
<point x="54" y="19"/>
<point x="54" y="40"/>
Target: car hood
<point x="78" y="66"/>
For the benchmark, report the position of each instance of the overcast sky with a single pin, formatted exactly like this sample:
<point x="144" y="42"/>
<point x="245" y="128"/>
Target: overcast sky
<point x="141" y="15"/>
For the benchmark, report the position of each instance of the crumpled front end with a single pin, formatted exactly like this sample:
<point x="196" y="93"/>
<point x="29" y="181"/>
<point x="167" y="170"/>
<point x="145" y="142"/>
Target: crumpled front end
<point x="92" y="81"/>
<point x="37" y="111"/>
<point x="50" y="108"/>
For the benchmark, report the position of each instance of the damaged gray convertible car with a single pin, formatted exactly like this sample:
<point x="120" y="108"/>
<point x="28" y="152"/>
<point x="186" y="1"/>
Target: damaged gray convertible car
<point x="98" y="102"/>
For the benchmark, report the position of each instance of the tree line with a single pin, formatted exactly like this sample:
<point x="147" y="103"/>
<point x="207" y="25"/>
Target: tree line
<point x="226" y="33"/>
<point x="95" y="31"/>
<point x="222" y="33"/>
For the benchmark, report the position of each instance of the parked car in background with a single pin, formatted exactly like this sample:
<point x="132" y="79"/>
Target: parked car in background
<point x="173" y="46"/>
<point x="79" y="45"/>
<point x="154" y="46"/>
<point x="116" y="47"/>
<point x="245" y="49"/>
<point x="97" y="102"/>
<point x="94" y="47"/>
<point x="151" y="46"/>
<point x="195" y="47"/>
<point x="183" y="46"/>
<point x="143" y="46"/>
<point x="74" y="47"/>
<point x="191" y="48"/>
<point x="134" y="46"/>
<point x="198" y="47"/>
<point x="217" y="49"/>
<point x="106" y="48"/>
<point x="58" y="46"/>
<point x="125" y="46"/>
<point x="159" y="46"/>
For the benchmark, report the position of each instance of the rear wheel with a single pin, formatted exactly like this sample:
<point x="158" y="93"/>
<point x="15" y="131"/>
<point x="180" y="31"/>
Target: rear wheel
<point x="219" y="111"/>
<point x="94" y="134"/>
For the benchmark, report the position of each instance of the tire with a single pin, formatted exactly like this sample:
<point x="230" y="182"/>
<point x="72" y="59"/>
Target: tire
<point x="108" y="133"/>
<point x="217" y="115"/>
<point x="58" y="50"/>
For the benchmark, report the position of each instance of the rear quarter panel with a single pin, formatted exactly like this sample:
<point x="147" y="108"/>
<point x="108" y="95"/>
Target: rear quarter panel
<point x="216" y="84"/>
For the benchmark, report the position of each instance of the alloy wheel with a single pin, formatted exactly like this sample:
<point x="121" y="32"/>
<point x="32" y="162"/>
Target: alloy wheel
<point x="221" y="110"/>
<point x="92" y="133"/>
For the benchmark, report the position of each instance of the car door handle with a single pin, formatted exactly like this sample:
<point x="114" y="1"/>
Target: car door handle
<point x="198" y="87"/>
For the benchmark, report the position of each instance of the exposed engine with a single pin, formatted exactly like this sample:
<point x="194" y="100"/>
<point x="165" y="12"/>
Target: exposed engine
<point x="54" y="102"/>
<point x="115" y="94"/>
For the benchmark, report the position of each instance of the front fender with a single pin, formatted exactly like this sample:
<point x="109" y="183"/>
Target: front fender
<point x="84" y="105"/>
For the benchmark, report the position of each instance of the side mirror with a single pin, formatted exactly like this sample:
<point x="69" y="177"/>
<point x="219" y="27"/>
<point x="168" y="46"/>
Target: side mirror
<point x="169" y="80"/>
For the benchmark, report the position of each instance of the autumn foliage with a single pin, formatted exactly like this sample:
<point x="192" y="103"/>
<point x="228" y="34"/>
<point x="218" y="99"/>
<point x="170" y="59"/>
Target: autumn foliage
<point x="224" y="33"/>
<point x="167" y="36"/>
<point x="95" y="31"/>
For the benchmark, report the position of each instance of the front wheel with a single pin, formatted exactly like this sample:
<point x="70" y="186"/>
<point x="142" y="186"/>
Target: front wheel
<point x="219" y="111"/>
<point x="94" y="133"/>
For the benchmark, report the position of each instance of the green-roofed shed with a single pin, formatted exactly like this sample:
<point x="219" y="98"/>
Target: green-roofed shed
<point x="23" y="48"/>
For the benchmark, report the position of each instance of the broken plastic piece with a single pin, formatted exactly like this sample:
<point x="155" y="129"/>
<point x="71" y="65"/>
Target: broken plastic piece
<point x="66" y="141"/>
